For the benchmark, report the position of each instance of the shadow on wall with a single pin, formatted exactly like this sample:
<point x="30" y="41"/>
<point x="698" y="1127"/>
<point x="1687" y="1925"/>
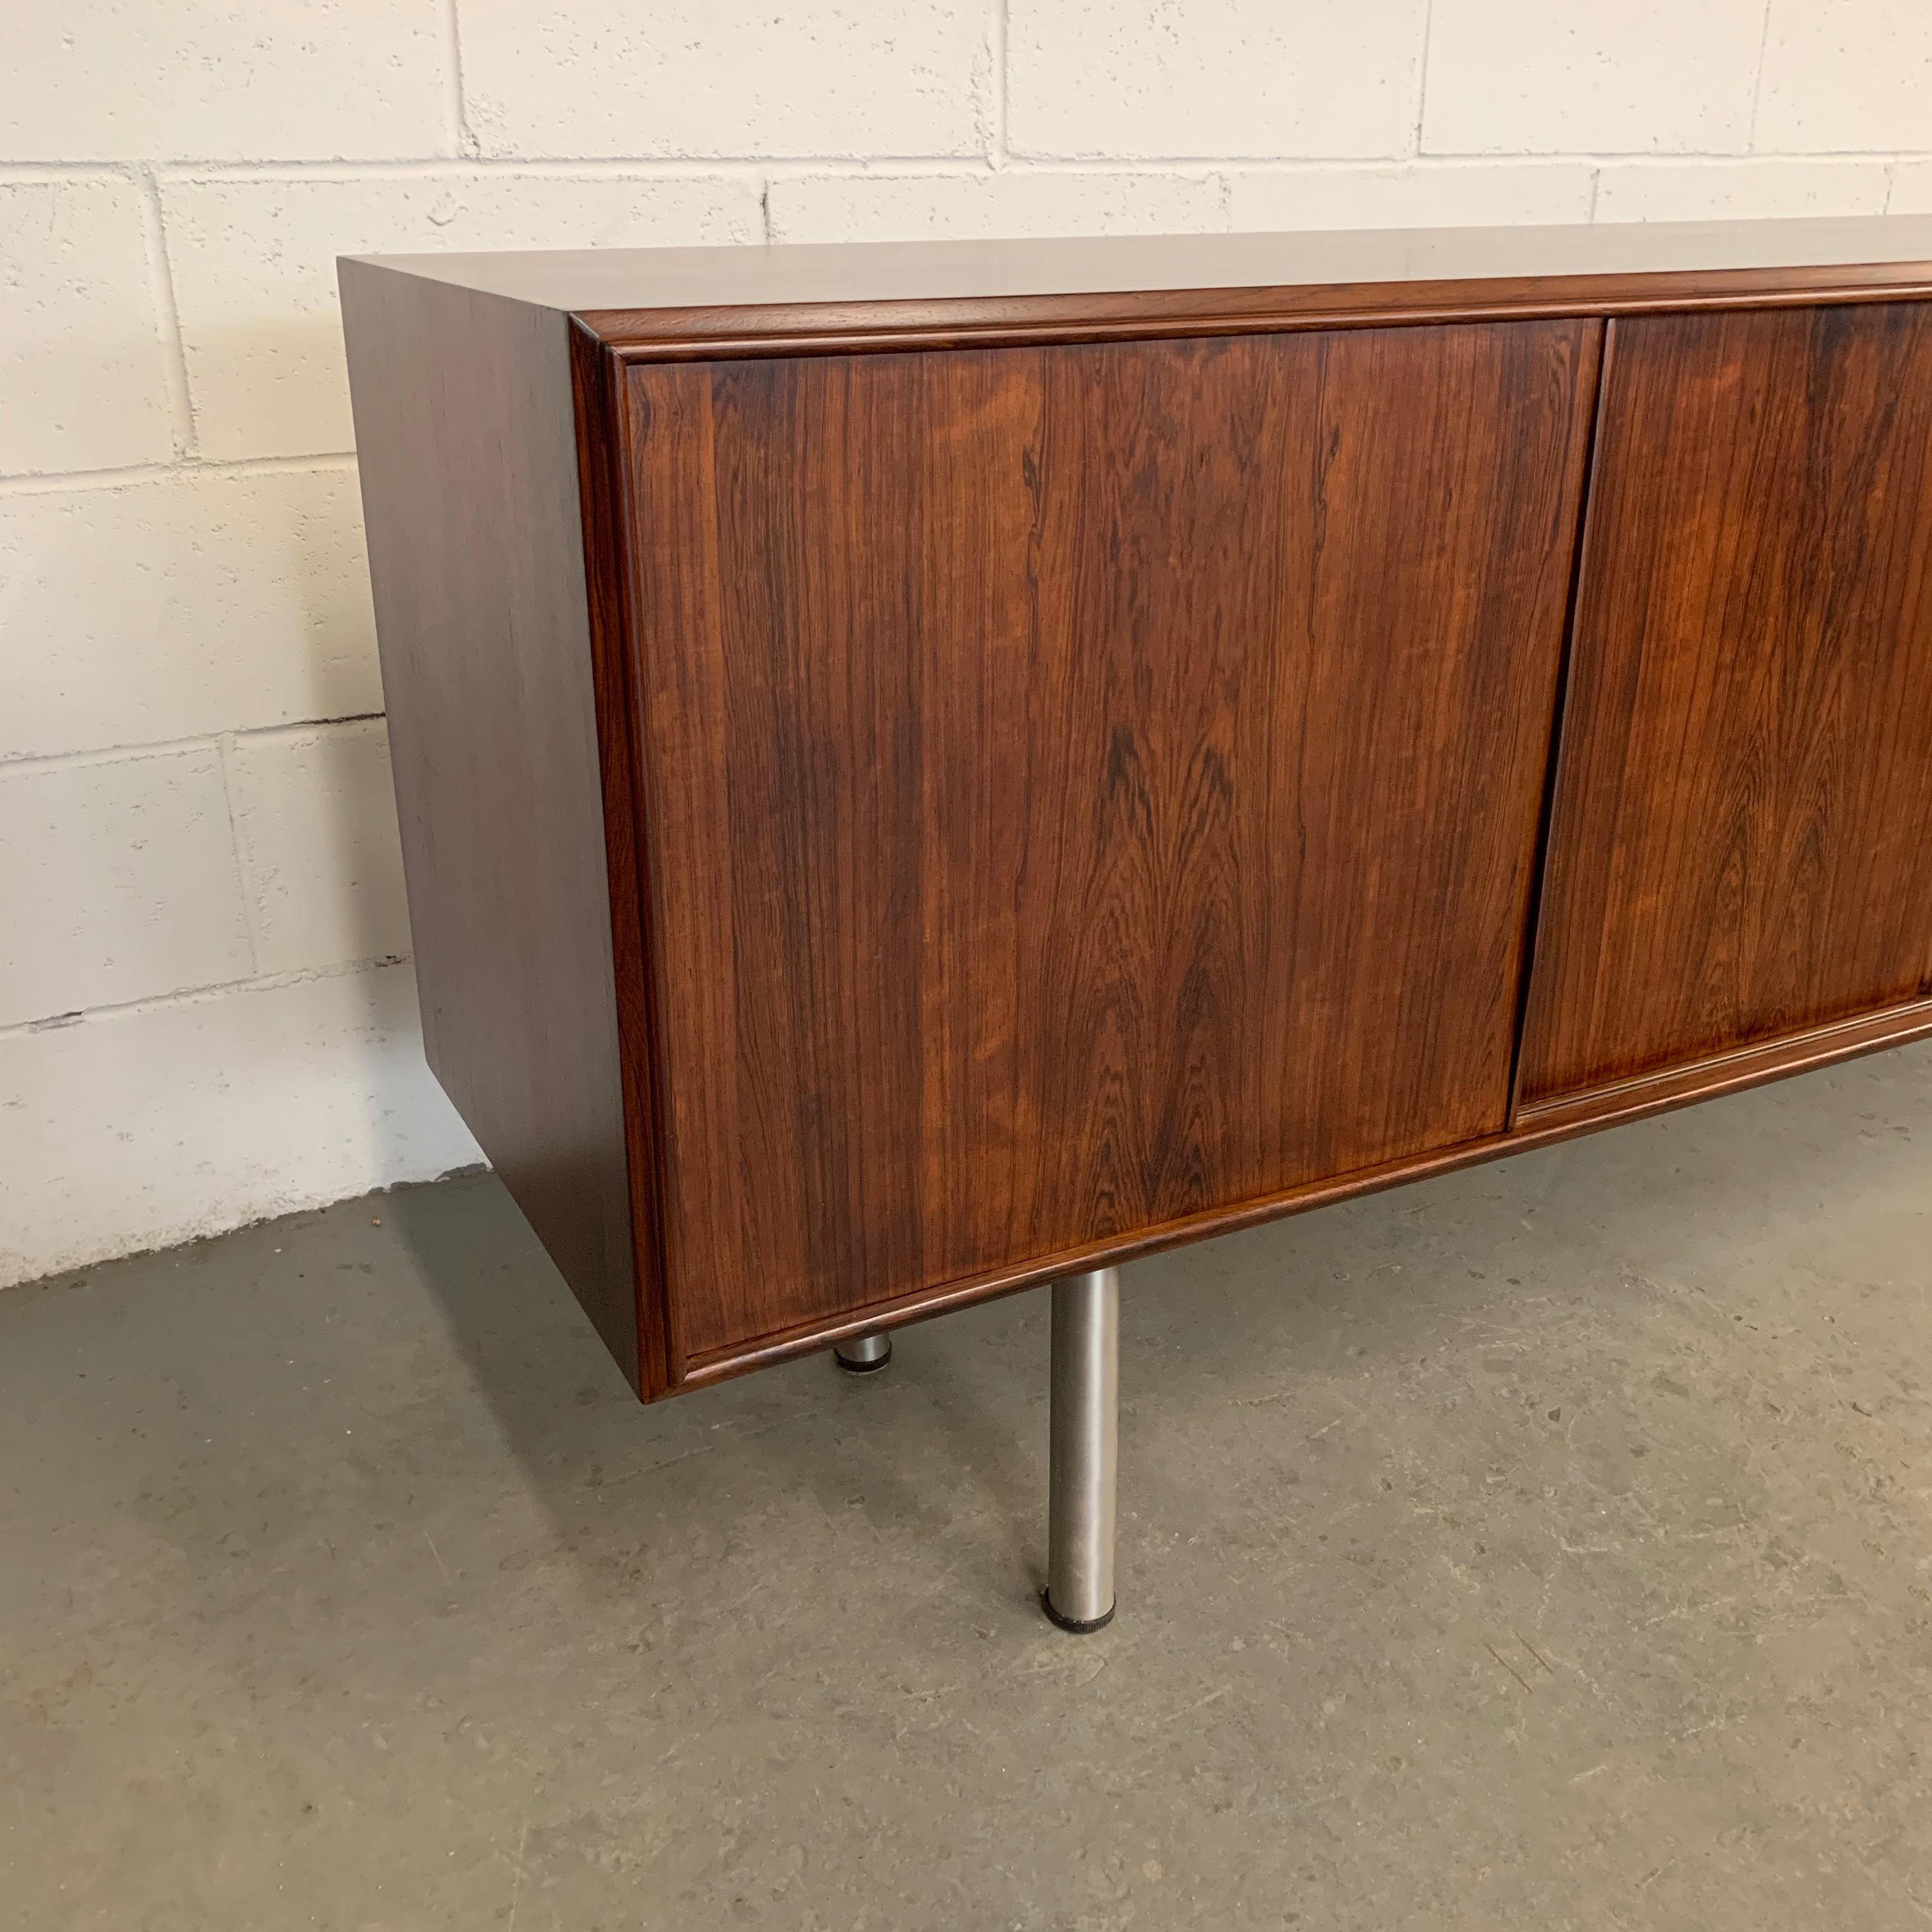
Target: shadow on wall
<point x="211" y="920"/>
<point x="137" y="1130"/>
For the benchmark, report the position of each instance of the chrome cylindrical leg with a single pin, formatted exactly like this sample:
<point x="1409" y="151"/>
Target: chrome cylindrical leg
<point x="862" y="1354"/>
<point x="1085" y="1425"/>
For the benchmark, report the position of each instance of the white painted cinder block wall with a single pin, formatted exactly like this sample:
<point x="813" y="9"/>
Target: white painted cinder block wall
<point x="206" y="1013"/>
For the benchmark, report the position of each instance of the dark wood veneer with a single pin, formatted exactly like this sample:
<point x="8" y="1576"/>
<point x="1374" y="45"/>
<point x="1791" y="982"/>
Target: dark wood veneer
<point x="657" y="303"/>
<point x="465" y="428"/>
<point x="640" y="296"/>
<point x="885" y="828"/>
<point x="1535" y="1127"/>
<point x="1069" y="814"/>
<point x="1741" y="845"/>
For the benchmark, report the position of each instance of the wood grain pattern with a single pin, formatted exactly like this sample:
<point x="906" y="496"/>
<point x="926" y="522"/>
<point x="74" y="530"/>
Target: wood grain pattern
<point x="1725" y="1072"/>
<point x="1739" y="849"/>
<point x="1544" y="1126"/>
<point x="985" y="815"/>
<point x="1086" y="788"/>
<point x="465" y="431"/>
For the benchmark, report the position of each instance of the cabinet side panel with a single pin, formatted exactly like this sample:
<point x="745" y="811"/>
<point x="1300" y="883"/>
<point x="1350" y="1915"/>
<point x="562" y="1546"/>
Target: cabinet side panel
<point x="1739" y="849"/>
<point x="1090" y="787"/>
<point x="465" y="437"/>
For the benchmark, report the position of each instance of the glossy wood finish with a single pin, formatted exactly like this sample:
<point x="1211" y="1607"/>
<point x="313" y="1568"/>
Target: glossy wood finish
<point x="1700" y="1079"/>
<point x="888" y="830"/>
<point x="1088" y="788"/>
<point x="1547" y="1127"/>
<point x="658" y="303"/>
<point x="469" y="457"/>
<point x="1742" y="843"/>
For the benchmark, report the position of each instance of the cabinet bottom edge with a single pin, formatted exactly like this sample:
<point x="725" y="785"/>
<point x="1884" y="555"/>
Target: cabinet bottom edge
<point x="1541" y="1124"/>
<point x="1737" y="1066"/>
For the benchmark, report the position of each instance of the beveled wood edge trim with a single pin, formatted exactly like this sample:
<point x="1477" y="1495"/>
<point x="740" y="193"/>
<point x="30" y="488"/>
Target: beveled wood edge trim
<point x="1741" y="1066"/>
<point x="841" y="328"/>
<point x="604" y="486"/>
<point x="1541" y="1127"/>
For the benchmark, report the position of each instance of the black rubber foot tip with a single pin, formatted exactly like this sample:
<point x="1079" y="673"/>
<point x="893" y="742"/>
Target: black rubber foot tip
<point x="1074" y="1624"/>
<point x="862" y="1368"/>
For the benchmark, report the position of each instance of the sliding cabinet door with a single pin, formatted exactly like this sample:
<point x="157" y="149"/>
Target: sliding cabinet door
<point x="1740" y="850"/>
<point x="1086" y="788"/>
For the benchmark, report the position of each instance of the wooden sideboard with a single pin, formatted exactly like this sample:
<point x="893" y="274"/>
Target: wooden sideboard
<point x="925" y="770"/>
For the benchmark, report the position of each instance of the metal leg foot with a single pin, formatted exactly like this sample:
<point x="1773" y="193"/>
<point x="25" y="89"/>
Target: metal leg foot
<point x="861" y="1354"/>
<point x="1086" y="1429"/>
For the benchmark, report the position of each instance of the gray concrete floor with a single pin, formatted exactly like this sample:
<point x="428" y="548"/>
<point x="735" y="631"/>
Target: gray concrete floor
<point x="1546" y="1546"/>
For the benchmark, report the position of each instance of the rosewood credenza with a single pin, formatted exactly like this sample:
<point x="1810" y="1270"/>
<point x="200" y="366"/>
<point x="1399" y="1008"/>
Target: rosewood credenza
<point x="926" y="770"/>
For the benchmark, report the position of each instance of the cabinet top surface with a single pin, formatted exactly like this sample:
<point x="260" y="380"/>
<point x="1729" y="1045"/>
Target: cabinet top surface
<point x="615" y="290"/>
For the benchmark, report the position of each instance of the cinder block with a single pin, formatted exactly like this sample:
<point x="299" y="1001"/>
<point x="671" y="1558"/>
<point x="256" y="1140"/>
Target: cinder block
<point x="254" y="271"/>
<point x="317" y="819"/>
<point x="1847" y="75"/>
<point x="119" y="880"/>
<point x="882" y="208"/>
<point x="83" y="382"/>
<point x="1239" y="78"/>
<point x="1722" y="190"/>
<point x="178" y="608"/>
<point x="1464" y="194"/>
<point x="207" y="80"/>
<point x="1647" y="76"/>
<point x="725" y="79"/>
<point x="210" y="1113"/>
<point x="1911" y="188"/>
